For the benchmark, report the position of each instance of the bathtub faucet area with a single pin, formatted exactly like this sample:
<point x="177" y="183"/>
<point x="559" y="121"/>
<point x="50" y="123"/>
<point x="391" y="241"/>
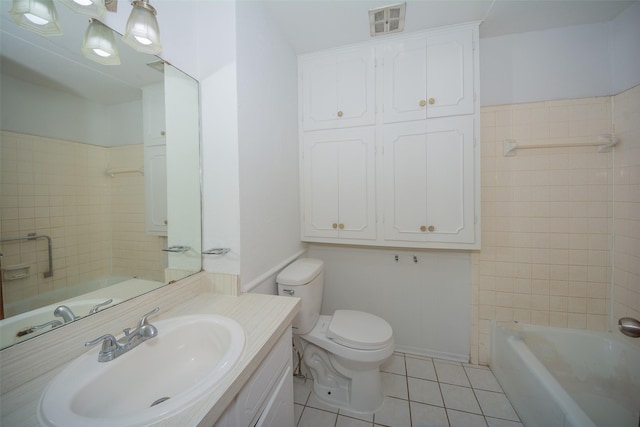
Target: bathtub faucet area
<point x="629" y="327"/>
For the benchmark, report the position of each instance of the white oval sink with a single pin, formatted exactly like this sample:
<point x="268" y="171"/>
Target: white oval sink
<point x="187" y="358"/>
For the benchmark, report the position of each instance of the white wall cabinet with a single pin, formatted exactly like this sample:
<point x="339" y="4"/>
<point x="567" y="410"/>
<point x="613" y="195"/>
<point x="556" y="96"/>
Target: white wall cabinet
<point x="155" y="189"/>
<point x="428" y="184"/>
<point x="338" y="89"/>
<point x="429" y="77"/>
<point x="338" y="176"/>
<point x="153" y="114"/>
<point x="410" y="176"/>
<point x="267" y="398"/>
<point x="155" y="158"/>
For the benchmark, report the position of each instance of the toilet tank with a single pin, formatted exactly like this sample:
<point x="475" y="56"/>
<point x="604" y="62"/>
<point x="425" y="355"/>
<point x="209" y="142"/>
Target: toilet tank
<point x="303" y="278"/>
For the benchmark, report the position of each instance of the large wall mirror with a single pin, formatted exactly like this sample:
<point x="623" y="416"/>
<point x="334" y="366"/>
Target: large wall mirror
<point x="99" y="173"/>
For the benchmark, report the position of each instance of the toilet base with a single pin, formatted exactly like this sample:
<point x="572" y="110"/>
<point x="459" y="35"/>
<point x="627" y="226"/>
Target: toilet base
<point x="337" y="385"/>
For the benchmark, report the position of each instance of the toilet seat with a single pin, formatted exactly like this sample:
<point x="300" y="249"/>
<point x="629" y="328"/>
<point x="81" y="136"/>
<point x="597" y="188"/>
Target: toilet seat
<point x="359" y="330"/>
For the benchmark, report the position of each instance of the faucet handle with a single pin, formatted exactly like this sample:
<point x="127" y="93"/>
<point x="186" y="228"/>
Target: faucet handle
<point x="108" y="341"/>
<point x="143" y="320"/>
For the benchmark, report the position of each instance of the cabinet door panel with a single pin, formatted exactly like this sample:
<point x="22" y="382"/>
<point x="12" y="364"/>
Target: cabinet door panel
<point x="450" y="181"/>
<point x="321" y="91"/>
<point x="356" y="89"/>
<point x="339" y="183"/>
<point x="405" y="180"/>
<point x="321" y="188"/>
<point x="278" y="411"/>
<point x="429" y="181"/>
<point x="338" y="90"/>
<point x="357" y="191"/>
<point x="450" y="74"/>
<point x="155" y="181"/>
<point x="404" y="76"/>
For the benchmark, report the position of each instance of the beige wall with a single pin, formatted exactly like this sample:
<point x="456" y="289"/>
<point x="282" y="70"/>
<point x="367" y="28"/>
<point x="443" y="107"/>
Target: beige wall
<point x="135" y="253"/>
<point x="627" y="205"/>
<point x="546" y="219"/>
<point x="60" y="188"/>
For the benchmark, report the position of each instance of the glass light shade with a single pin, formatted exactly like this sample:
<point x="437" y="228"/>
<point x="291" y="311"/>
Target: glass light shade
<point x="99" y="45"/>
<point x="93" y="8"/>
<point x="39" y="16"/>
<point x="142" y="32"/>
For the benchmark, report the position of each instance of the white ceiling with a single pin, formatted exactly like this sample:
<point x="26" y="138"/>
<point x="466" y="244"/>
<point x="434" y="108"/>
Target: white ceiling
<point x="309" y="25"/>
<point x="312" y="25"/>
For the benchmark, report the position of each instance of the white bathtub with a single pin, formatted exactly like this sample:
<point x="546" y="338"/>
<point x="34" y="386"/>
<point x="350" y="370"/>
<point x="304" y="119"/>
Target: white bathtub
<point x="566" y="377"/>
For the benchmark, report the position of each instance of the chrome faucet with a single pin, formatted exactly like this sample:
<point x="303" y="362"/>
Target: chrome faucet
<point x="629" y="327"/>
<point x="66" y="313"/>
<point x="96" y="307"/>
<point x="112" y="347"/>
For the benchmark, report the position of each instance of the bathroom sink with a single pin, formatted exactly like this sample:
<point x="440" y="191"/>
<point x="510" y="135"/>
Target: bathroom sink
<point x="157" y="379"/>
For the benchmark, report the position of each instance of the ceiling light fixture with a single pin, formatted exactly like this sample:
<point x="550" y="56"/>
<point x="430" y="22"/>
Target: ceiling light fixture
<point x="142" y="32"/>
<point x="99" y="45"/>
<point x="39" y="16"/>
<point x="93" y="8"/>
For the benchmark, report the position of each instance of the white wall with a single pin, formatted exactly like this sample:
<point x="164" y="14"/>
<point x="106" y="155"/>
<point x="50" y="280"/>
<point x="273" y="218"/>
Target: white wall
<point x="268" y="143"/>
<point x="427" y="303"/>
<point x="625" y="49"/>
<point x="562" y="63"/>
<point x="42" y="111"/>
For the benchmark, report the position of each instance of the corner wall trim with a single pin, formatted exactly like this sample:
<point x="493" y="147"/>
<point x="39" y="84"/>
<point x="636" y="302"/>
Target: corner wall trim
<point x="264" y="276"/>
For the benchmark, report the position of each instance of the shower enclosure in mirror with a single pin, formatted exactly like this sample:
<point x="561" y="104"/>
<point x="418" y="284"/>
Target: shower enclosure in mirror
<point x="99" y="174"/>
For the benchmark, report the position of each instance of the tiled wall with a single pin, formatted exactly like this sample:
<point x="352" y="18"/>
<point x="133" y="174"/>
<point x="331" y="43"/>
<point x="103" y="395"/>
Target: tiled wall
<point x="627" y="205"/>
<point x="546" y="219"/>
<point x="59" y="188"/>
<point x="135" y="253"/>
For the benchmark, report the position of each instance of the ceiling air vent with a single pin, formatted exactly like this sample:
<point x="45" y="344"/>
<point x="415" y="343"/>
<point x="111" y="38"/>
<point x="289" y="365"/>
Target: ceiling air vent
<point x="387" y="20"/>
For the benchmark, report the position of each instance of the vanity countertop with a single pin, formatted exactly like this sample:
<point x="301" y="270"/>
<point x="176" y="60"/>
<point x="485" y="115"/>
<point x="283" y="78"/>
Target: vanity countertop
<point x="263" y="317"/>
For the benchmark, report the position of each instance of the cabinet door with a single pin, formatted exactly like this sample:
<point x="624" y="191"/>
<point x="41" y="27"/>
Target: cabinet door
<point x="338" y="89"/>
<point x="155" y="189"/>
<point x="428" y="171"/>
<point x="153" y="115"/>
<point x="450" y="74"/>
<point x="339" y="184"/>
<point x="429" y="78"/>
<point x="278" y="411"/>
<point x="404" y="81"/>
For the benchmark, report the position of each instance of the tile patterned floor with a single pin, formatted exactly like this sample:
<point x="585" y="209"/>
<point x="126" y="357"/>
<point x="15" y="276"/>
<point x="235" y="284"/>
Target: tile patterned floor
<point x="419" y="392"/>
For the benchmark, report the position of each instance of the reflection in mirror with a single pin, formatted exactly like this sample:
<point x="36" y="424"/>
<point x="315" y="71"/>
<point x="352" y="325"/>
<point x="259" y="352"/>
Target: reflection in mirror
<point x="100" y="178"/>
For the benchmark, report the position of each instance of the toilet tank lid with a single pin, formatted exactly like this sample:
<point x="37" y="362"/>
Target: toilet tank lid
<point x="359" y="330"/>
<point x="300" y="272"/>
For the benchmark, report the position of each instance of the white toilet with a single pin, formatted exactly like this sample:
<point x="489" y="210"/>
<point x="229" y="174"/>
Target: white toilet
<point x="343" y="351"/>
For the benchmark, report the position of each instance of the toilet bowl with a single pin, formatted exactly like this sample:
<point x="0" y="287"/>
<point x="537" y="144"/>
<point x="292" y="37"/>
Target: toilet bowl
<point x="343" y="351"/>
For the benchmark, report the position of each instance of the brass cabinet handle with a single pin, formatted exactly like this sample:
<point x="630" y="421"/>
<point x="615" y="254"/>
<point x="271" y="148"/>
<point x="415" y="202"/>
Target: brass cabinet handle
<point x="431" y="228"/>
<point x="423" y="102"/>
<point x="334" y="225"/>
<point x="432" y="101"/>
<point x="339" y="113"/>
<point x="423" y="228"/>
<point x="341" y="226"/>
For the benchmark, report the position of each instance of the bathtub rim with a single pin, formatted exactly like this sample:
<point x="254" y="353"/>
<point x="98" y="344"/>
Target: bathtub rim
<point x="573" y="413"/>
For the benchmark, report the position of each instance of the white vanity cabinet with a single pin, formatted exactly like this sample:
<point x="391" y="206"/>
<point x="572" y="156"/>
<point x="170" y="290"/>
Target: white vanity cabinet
<point x="267" y="398"/>
<point x="338" y="179"/>
<point x="429" y="181"/>
<point x="338" y="89"/>
<point x="429" y="77"/>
